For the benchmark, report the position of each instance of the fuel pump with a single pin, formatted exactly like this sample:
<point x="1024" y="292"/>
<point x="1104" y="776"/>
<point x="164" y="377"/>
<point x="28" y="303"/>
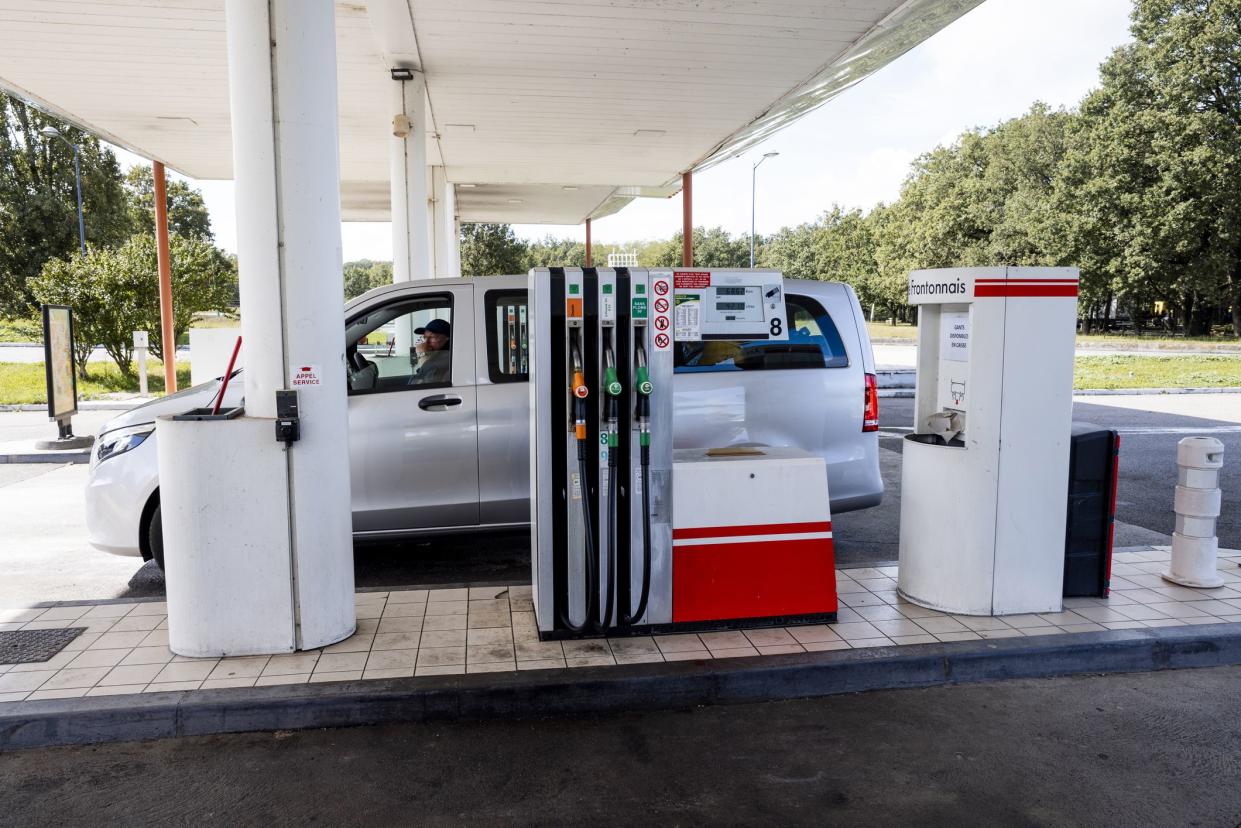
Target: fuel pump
<point x="754" y="538"/>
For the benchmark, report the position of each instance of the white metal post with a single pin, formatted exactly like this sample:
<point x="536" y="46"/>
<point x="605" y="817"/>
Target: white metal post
<point x="444" y="233"/>
<point x="140" y="347"/>
<point x="282" y="89"/>
<point x="411" y="249"/>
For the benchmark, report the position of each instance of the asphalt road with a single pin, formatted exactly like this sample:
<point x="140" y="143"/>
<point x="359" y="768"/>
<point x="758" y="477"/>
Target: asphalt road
<point x="1148" y="441"/>
<point x="1123" y="750"/>
<point x="45" y="556"/>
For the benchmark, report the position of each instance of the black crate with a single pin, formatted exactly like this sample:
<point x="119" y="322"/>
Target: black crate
<point x="1093" y="456"/>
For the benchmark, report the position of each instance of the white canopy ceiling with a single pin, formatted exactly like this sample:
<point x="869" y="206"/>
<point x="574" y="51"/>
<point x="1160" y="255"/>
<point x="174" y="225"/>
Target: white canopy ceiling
<point x="555" y="110"/>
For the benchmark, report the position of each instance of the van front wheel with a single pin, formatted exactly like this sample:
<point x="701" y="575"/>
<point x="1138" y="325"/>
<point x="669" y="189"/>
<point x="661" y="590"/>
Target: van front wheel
<point x="155" y="538"/>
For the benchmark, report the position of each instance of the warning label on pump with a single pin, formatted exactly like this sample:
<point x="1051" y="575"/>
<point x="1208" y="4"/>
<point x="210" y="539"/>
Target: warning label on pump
<point x="687" y="317"/>
<point x="307" y="375"/>
<point x="692" y="278"/>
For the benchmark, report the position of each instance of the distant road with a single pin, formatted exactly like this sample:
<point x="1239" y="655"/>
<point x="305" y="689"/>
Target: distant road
<point x="905" y="357"/>
<point x="34" y="353"/>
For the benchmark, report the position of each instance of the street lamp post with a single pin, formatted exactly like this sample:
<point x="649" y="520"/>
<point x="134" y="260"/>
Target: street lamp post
<point x="753" y="176"/>
<point x="53" y="132"/>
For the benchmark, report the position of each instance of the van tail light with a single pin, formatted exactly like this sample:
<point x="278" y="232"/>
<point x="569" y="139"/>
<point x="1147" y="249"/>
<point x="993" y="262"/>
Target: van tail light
<point x="870" y="414"/>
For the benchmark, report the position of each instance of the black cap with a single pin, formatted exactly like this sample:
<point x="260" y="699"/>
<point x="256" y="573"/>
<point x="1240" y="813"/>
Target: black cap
<point x="435" y="326"/>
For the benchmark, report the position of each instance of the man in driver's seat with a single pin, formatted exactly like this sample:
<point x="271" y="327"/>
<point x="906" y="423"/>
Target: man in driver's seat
<point x="434" y="354"/>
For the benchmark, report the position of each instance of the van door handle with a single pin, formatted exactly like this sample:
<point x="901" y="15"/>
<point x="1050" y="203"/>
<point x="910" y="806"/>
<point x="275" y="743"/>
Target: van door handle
<point x="438" y="402"/>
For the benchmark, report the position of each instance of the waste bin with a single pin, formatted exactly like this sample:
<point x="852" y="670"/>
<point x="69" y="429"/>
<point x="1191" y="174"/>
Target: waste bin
<point x="1094" y="454"/>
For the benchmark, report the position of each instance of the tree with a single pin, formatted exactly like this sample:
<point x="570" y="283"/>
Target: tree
<point x="38" y="205"/>
<point x="187" y="213"/>
<point x="792" y="252"/>
<point x="1151" y="189"/>
<point x="553" y="252"/>
<point x="712" y="248"/>
<point x="114" y="292"/>
<point x="491" y="250"/>
<point x="364" y="275"/>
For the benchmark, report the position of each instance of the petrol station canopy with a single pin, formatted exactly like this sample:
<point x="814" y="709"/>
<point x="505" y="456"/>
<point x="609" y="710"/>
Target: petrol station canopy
<point x="540" y="111"/>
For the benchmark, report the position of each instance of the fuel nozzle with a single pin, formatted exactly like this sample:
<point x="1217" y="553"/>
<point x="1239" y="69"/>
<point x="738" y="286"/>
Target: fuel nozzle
<point x="612" y="388"/>
<point x="642" y="411"/>
<point x="580" y="393"/>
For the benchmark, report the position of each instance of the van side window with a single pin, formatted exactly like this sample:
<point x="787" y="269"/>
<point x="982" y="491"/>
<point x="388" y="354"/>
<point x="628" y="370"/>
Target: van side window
<point x="508" y="358"/>
<point x="813" y="342"/>
<point x="382" y="347"/>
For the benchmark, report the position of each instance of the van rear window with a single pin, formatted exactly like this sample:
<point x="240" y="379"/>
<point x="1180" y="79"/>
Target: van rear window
<point x="813" y="342"/>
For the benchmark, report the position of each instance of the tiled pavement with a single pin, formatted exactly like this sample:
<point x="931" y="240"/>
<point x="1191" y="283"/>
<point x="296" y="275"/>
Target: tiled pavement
<point x="491" y="629"/>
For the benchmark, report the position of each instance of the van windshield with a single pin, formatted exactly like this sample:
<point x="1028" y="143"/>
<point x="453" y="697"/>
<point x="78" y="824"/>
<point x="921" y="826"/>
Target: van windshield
<point x="813" y="342"/>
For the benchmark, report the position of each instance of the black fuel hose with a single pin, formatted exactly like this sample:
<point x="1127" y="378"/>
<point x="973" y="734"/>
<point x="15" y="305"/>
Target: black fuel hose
<point x="612" y="389"/>
<point x="589" y="553"/>
<point x="643" y="388"/>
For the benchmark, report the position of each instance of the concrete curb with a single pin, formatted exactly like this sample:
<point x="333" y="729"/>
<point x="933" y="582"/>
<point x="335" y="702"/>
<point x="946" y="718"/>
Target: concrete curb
<point x="903" y="392"/>
<point x="83" y="405"/>
<point x="57" y="457"/>
<point x="610" y="689"/>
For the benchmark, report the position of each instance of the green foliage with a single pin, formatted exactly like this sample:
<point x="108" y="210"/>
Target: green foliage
<point x="363" y="275"/>
<point x="114" y="292"/>
<point x="712" y="248"/>
<point x="491" y="250"/>
<point x="187" y="213"/>
<point x="38" y="206"/>
<point x="1150" y="191"/>
<point x="25" y="383"/>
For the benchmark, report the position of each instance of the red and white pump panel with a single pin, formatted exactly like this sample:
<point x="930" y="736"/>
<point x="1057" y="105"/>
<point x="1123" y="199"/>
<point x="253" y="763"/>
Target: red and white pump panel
<point x="752" y="535"/>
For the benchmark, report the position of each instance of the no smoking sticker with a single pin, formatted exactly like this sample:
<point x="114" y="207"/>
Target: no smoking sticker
<point x="661" y="305"/>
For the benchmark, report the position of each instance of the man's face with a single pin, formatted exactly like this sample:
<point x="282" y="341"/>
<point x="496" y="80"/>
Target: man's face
<point x="436" y="341"/>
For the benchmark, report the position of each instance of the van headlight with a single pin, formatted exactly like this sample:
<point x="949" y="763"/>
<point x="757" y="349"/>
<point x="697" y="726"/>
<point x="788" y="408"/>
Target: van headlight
<point x="121" y="441"/>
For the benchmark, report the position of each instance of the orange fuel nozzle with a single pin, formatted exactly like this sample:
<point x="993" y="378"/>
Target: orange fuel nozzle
<point x="579" y="386"/>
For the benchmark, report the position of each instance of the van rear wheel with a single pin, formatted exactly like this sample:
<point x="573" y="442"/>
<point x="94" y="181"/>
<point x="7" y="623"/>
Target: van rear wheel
<point x="155" y="538"/>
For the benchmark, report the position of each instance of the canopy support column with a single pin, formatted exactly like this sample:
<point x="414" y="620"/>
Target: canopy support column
<point x="444" y="237"/>
<point x="282" y="94"/>
<point x="590" y="258"/>
<point x="166" y="332"/>
<point x="407" y="153"/>
<point x="687" y="219"/>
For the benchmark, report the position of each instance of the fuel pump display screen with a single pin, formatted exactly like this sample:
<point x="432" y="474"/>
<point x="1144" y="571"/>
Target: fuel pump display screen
<point x="728" y="305"/>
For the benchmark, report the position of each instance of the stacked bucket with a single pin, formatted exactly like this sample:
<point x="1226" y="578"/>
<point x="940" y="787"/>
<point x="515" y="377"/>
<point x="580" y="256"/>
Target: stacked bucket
<point x="1197" y="503"/>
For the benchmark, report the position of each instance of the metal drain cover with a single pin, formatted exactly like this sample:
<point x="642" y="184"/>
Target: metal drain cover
<point x="31" y="646"/>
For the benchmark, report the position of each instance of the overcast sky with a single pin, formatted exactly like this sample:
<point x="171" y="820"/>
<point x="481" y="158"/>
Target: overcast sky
<point x="990" y="65"/>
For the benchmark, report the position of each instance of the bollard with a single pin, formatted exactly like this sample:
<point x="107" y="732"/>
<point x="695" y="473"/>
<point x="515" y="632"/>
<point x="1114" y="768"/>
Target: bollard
<point x="140" y="345"/>
<point x="1197" y="501"/>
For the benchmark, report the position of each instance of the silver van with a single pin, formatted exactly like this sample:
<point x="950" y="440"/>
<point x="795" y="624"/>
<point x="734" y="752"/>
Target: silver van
<point x="450" y="452"/>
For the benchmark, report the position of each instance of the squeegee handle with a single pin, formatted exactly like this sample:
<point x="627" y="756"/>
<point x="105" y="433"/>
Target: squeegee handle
<point x="228" y="375"/>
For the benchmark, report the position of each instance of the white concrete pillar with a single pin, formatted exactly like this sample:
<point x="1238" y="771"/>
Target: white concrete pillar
<point x="282" y="93"/>
<point x="444" y="230"/>
<point x="411" y="248"/>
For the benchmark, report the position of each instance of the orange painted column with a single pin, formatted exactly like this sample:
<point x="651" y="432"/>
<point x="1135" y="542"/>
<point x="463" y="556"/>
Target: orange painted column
<point x="687" y="219"/>
<point x="590" y="259"/>
<point x="165" y="278"/>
